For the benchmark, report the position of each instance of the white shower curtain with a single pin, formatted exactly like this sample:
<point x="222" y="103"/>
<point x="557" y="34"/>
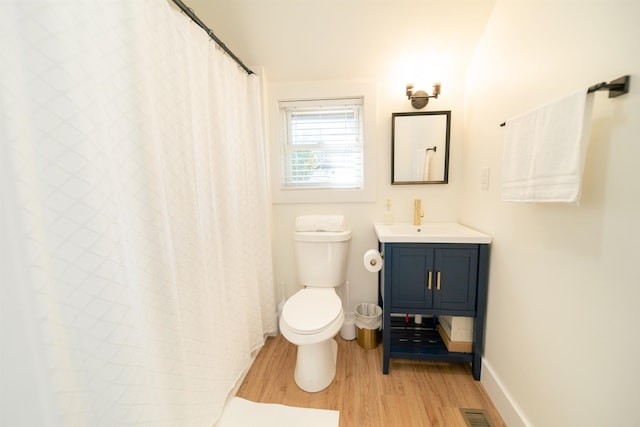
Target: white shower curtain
<point x="136" y="263"/>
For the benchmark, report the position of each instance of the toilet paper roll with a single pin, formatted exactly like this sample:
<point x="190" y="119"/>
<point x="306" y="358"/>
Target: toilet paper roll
<point x="372" y="260"/>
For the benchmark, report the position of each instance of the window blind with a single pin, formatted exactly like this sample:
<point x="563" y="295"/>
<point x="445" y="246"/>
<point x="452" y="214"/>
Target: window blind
<point x="322" y="145"/>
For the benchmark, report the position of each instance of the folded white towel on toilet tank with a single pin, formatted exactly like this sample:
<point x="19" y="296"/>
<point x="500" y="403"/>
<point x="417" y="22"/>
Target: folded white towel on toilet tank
<point x="320" y="223"/>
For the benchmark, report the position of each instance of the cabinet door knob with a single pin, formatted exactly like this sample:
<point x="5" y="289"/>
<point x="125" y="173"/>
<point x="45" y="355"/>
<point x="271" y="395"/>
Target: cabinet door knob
<point x="429" y="280"/>
<point x="438" y="281"/>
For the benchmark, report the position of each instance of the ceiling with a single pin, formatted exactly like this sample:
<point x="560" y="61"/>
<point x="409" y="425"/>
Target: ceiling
<point x="298" y="40"/>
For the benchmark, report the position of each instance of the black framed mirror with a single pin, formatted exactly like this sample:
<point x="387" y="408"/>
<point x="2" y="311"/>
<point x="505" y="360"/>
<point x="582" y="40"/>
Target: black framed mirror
<point x="420" y="147"/>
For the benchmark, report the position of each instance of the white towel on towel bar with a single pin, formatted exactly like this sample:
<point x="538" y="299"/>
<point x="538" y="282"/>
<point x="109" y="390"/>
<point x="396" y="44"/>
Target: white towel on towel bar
<point x="320" y="223"/>
<point x="545" y="151"/>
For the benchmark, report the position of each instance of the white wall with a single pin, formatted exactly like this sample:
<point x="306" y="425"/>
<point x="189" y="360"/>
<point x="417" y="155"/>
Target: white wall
<point x="562" y="325"/>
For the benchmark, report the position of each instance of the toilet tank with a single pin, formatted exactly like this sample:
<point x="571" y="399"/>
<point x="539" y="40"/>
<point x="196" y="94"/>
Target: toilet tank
<point x="321" y="257"/>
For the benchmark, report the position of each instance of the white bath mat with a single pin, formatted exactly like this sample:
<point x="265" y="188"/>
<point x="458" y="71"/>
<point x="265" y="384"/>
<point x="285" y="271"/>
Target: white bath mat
<point x="243" y="413"/>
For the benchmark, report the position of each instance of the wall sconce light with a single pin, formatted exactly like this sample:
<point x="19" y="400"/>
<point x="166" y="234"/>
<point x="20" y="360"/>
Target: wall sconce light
<point x="420" y="98"/>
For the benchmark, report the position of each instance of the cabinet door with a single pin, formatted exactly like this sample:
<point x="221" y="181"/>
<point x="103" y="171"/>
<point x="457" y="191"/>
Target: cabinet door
<point x="410" y="276"/>
<point x="455" y="279"/>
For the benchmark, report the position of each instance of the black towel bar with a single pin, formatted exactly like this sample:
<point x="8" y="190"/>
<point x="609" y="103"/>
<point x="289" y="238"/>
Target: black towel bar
<point x="616" y="87"/>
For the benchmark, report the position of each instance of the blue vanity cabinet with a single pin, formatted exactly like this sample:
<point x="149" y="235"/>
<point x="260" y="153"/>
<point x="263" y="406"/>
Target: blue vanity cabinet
<point x="431" y="280"/>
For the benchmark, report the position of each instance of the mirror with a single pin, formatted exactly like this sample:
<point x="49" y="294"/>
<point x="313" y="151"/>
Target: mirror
<point x="420" y="147"/>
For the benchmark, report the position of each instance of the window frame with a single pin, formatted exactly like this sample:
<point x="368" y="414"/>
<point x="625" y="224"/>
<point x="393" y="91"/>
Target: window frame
<point x="308" y="91"/>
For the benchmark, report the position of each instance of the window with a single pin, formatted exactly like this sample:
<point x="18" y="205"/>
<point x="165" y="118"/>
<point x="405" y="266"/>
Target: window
<point x="322" y="144"/>
<point x="305" y="169"/>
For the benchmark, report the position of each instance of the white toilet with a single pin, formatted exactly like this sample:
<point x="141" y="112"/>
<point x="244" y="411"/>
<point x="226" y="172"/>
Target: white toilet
<point x="313" y="316"/>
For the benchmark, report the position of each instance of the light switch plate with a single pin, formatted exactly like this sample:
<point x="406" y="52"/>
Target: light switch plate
<point x="484" y="178"/>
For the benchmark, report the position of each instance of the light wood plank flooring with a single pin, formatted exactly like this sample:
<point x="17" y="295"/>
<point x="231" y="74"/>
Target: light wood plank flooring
<point x="414" y="393"/>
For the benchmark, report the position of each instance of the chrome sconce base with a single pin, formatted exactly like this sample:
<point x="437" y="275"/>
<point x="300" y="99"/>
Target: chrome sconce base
<point x="420" y="98"/>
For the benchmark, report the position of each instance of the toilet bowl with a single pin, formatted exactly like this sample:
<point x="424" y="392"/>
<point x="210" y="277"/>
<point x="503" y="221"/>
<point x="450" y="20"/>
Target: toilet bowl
<point x="313" y="316"/>
<point x="310" y="319"/>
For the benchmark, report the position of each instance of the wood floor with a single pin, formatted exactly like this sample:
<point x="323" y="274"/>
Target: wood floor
<point x="414" y="393"/>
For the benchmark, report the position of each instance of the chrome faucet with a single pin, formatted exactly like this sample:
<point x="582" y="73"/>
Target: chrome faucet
<point x="418" y="213"/>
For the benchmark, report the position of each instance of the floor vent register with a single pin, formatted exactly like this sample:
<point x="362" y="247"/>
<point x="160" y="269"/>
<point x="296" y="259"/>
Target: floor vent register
<point x="475" y="418"/>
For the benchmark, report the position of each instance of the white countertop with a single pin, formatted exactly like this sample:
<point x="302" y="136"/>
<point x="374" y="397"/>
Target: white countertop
<point x="431" y="232"/>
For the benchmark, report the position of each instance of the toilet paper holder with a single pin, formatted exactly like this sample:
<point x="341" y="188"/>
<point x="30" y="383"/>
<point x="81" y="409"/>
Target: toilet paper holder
<point x="374" y="262"/>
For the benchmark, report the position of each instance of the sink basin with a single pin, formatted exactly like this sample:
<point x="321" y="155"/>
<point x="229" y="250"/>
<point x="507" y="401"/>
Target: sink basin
<point x="433" y="232"/>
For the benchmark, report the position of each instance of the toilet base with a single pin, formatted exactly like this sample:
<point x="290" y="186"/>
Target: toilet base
<point x="316" y="365"/>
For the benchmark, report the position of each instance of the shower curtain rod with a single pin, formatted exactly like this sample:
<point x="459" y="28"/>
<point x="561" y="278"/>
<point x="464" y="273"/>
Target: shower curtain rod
<point x="187" y="10"/>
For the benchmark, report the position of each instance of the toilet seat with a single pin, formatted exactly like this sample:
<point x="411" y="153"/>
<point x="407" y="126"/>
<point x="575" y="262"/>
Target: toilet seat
<point x="311" y="310"/>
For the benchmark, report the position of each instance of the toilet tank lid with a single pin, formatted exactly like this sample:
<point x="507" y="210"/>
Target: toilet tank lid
<point x="322" y="236"/>
<point x="320" y="223"/>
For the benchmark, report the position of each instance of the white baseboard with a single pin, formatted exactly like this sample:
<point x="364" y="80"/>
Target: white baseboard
<point x="509" y="411"/>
